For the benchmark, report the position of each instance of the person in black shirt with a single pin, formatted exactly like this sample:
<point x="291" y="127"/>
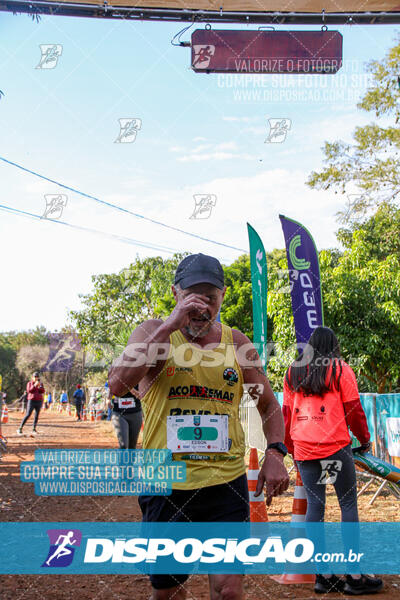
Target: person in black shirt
<point x="126" y="419"/>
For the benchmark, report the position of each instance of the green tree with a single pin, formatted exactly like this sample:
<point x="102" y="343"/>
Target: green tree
<point x="281" y="348"/>
<point x="380" y="233"/>
<point x="11" y="380"/>
<point x="11" y="343"/>
<point x="372" y="162"/>
<point x="236" y="310"/>
<point x="120" y="301"/>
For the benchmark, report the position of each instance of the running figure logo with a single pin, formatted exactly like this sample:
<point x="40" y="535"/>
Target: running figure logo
<point x="203" y="205"/>
<point x="128" y="130"/>
<point x="202" y="56"/>
<point x="55" y="204"/>
<point x="278" y="130"/>
<point x="251" y="394"/>
<point x="330" y="470"/>
<point x="50" y="55"/>
<point x="62" y="351"/>
<point x="62" y="547"/>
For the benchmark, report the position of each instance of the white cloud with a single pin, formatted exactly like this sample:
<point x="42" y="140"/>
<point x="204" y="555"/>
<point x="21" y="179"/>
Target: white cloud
<point x="263" y="130"/>
<point x="258" y="199"/>
<point x="226" y="146"/>
<point x="240" y="119"/>
<point x="214" y="156"/>
<point x="200" y="148"/>
<point x="205" y="152"/>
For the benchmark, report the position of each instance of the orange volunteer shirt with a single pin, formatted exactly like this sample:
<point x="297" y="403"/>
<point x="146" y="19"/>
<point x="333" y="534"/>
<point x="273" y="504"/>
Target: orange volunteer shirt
<point x="317" y="425"/>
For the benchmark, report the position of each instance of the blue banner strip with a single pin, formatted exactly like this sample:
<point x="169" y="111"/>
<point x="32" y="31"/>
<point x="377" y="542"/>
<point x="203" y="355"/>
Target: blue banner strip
<point x="263" y="548"/>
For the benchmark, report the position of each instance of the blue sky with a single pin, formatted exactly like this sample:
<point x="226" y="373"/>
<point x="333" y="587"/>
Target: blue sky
<point x="199" y="134"/>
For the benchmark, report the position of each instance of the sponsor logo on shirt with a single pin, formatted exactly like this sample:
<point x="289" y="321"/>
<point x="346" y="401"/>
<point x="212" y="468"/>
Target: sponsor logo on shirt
<point x="172" y="370"/>
<point x="231" y="376"/>
<point x="200" y="391"/>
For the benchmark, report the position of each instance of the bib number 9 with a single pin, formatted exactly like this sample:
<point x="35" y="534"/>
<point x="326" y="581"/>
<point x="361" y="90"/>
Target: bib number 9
<point x="197" y="433"/>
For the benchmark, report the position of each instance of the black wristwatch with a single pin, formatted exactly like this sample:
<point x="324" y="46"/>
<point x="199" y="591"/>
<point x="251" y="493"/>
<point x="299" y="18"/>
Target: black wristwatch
<point x="280" y="446"/>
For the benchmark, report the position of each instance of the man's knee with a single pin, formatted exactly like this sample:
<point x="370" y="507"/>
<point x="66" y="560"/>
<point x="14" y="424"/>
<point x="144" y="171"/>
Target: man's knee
<point x="230" y="592"/>
<point x="226" y="588"/>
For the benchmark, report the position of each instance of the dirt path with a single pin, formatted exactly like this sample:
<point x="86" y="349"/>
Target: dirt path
<point x="19" y="503"/>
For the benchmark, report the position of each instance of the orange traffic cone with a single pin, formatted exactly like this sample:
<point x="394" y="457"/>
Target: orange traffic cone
<point x="258" y="509"/>
<point x="99" y="415"/>
<point x="84" y="415"/>
<point x="69" y="411"/>
<point x="299" y="501"/>
<point x="4" y="414"/>
<point x="92" y="414"/>
<point x="298" y="516"/>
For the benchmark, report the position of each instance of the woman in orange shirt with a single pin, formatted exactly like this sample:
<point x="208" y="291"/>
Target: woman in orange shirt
<point x="320" y="402"/>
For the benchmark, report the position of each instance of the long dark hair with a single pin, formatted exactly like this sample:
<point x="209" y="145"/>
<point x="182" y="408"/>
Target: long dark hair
<point x="309" y="372"/>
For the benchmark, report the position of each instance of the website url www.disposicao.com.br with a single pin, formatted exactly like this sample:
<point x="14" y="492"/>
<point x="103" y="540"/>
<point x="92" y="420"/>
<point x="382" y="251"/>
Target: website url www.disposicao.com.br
<point x="213" y="550"/>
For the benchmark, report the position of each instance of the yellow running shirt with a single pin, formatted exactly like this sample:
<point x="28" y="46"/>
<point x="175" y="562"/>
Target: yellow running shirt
<point x="189" y="385"/>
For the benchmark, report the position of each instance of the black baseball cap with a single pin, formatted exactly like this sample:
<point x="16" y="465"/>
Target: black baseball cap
<point x="36" y="374"/>
<point x="199" y="268"/>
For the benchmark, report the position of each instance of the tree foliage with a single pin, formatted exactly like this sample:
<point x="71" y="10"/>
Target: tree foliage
<point x="372" y="161"/>
<point x="10" y="344"/>
<point x="236" y="310"/>
<point x="23" y="352"/>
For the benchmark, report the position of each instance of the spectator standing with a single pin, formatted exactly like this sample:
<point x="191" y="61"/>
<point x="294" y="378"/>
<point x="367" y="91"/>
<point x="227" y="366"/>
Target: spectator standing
<point x="35" y="392"/>
<point x="320" y="402"/>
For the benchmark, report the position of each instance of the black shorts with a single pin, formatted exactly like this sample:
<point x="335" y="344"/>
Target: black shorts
<point x="228" y="502"/>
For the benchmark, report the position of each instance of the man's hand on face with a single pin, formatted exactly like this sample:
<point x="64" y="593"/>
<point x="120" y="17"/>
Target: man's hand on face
<point x="189" y="307"/>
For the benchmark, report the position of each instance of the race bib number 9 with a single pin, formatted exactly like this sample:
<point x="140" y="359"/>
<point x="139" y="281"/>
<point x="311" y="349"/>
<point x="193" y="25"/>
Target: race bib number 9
<point x="200" y="433"/>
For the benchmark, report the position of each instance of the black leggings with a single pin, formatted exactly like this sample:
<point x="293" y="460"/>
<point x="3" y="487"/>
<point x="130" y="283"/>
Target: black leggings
<point x="32" y="406"/>
<point x="127" y="427"/>
<point x="337" y="469"/>
<point x="78" y="406"/>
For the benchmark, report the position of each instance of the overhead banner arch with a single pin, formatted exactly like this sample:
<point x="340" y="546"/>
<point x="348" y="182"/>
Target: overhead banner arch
<point x="326" y="12"/>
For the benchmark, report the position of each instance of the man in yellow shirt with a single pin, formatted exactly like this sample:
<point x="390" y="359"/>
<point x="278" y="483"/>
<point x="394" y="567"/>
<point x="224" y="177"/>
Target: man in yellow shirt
<point x="192" y="368"/>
